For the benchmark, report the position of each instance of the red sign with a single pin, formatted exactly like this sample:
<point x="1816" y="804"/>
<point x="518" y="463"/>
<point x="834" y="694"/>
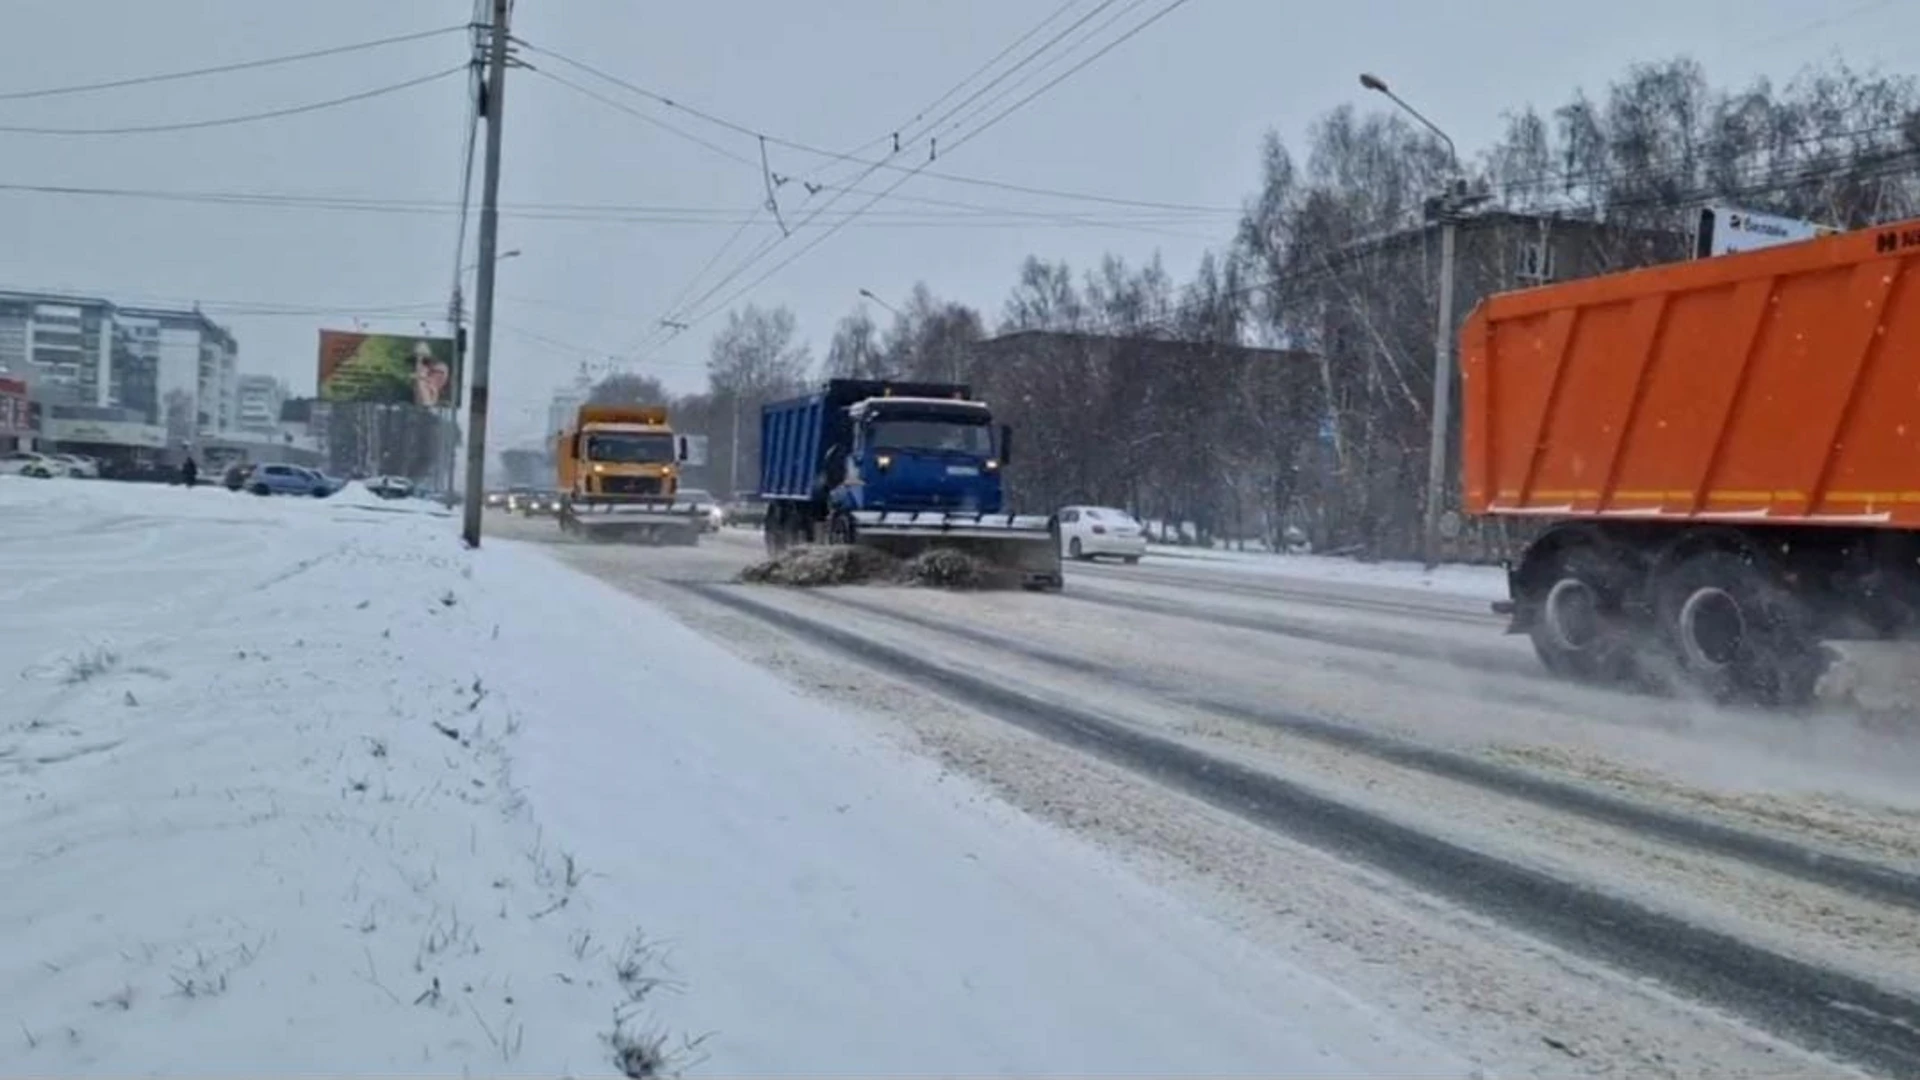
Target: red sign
<point x="14" y="416"/>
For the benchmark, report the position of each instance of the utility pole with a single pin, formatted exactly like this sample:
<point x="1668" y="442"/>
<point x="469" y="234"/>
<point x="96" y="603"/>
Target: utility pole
<point x="733" y="453"/>
<point x="496" y="95"/>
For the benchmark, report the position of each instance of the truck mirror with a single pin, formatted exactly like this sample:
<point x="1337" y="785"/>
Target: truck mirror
<point x="1006" y="444"/>
<point x="681" y="452"/>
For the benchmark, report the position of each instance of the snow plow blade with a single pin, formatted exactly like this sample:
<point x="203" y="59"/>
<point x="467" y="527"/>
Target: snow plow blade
<point x="616" y="521"/>
<point x="1017" y="549"/>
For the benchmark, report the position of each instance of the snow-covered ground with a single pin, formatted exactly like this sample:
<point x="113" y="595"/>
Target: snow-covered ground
<point x="1476" y="582"/>
<point x="300" y="786"/>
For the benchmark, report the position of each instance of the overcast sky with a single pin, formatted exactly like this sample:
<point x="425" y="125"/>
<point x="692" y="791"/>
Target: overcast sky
<point x="1173" y="115"/>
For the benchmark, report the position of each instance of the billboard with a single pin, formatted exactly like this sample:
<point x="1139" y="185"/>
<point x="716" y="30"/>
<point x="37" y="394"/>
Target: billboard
<point x="396" y="369"/>
<point x="1724" y="230"/>
<point x="16" y="416"/>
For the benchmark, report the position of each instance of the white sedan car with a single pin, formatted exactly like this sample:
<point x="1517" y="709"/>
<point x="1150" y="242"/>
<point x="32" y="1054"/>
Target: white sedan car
<point x="28" y="463"/>
<point x="80" y="465"/>
<point x="1087" y="532"/>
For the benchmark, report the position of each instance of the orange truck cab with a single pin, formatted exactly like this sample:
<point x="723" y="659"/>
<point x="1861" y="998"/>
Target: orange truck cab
<point x="619" y="473"/>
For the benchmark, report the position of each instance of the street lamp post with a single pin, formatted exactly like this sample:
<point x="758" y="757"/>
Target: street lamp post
<point x="868" y="293"/>
<point x="1447" y="208"/>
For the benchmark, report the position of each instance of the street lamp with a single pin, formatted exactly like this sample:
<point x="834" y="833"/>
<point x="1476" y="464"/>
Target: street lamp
<point x="868" y="293"/>
<point x="502" y="257"/>
<point x="1448" y="208"/>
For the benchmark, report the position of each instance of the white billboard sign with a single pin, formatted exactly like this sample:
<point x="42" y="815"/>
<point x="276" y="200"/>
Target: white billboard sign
<point x="1724" y="230"/>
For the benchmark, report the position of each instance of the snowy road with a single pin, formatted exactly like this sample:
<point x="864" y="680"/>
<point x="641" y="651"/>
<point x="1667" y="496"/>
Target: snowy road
<point x="1374" y="780"/>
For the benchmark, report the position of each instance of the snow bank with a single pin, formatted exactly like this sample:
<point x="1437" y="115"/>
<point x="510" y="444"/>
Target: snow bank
<point x="255" y="812"/>
<point x="289" y="787"/>
<point x="1474" y="582"/>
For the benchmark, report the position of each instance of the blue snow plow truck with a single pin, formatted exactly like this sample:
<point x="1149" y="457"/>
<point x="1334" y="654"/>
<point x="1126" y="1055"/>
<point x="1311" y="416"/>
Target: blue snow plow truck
<point x="903" y="468"/>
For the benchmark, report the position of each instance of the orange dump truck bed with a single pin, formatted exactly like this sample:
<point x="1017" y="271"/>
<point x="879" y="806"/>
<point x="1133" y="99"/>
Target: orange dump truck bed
<point x="1780" y="386"/>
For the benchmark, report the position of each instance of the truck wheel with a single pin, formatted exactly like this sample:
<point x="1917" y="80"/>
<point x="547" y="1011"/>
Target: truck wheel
<point x="1738" y="634"/>
<point x="1580" y="630"/>
<point x="840" y="528"/>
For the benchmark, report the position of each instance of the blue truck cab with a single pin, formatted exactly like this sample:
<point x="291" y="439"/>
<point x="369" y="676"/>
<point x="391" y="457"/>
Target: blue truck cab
<point x="865" y="447"/>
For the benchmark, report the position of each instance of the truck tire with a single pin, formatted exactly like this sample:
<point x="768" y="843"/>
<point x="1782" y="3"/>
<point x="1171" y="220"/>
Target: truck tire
<point x="1581" y="629"/>
<point x="1737" y="633"/>
<point x="840" y="528"/>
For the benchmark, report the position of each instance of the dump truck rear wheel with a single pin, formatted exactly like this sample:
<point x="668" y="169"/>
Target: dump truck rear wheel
<point x="1580" y="630"/>
<point x="1738" y="634"/>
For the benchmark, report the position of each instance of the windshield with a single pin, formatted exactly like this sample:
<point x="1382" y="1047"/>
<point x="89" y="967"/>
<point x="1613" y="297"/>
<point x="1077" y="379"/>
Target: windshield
<point x="949" y="436"/>
<point x="630" y="449"/>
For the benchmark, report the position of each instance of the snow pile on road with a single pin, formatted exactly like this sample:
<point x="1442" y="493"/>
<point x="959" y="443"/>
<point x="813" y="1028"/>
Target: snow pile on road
<point x="289" y="787"/>
<point x="819" y="565"/>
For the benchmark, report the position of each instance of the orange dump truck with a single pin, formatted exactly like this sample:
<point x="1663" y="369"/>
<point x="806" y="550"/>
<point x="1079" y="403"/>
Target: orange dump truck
<point x="1728" y="453"/>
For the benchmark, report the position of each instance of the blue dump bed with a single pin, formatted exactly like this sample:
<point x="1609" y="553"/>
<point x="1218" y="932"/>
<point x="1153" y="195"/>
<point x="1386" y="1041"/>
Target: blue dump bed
<point x="796" y="434"/>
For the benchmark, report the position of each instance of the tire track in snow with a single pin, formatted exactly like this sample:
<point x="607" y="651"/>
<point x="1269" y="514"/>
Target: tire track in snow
<point x="1820" y="1008"/>
<point x="1483" y="656"/>
<point x="1248" y="585"/>
<point x="1860" y="877"/>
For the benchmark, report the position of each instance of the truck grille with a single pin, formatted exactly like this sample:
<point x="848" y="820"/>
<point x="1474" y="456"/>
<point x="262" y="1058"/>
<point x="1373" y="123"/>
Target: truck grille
<point x="630" y="485"/>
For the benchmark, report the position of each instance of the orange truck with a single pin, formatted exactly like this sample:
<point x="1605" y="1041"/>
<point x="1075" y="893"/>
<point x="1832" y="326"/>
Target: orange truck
<point x="619" y="473"/>
<point x="1724" y="454"/>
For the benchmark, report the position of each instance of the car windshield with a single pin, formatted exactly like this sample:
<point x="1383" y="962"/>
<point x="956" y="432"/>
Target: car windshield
<point x="1108" y="513"/>
<point x="949" y="436"/>
<point x="630" y="449"/>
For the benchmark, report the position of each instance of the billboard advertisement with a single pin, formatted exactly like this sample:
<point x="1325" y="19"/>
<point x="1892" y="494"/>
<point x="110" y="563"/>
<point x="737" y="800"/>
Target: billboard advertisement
<point x="395" y="369"/>
<point x="16" y="416"/>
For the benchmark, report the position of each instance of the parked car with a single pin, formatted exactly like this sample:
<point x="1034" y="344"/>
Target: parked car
<point x="79" y="465"/>
<point x="496" y="499"/>
<point x="1087" y="532"/>
<point x="236" y="476"/>
<point x="28" y="463"/>
<point x="325" y="485"/>
<point x="390" y="487"/>
<point x="703" y="503"/>
<point x="286" y="480"/>
<point x="745" y="512"/>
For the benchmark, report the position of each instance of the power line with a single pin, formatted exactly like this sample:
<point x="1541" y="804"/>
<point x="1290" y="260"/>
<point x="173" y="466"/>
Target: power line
<point x="851" y="157"/>
<point x="1157" y="16"/>
<point x="871" y="167"/>
<point x="653" y="120"/>
<point x="1025" y="60"/>
<point x="1063" y="76"/>
<point x="944" y="212"/>
<point x="1091" y="34"/>
<point x="221" y="69"/>
<point x="245" y="118"/>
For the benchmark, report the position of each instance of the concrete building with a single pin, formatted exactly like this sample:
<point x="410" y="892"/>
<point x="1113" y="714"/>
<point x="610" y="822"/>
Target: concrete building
<point x="258" y="400"/>
<point x="62" y="344"/>
<point x="175" y="369"/>
<point x="195" y="369"/>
